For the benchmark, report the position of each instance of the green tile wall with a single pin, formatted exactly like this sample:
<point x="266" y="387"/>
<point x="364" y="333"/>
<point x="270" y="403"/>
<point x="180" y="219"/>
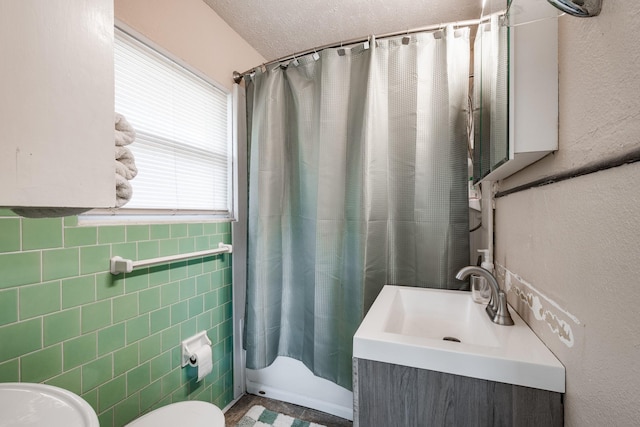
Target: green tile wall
<point x="114" y="340"/>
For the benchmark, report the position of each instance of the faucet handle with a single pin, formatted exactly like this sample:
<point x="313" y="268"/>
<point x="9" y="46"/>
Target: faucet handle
<point x="502" y="315"/>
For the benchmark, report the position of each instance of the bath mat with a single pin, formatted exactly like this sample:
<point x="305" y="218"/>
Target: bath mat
<point x="258" y="416"/>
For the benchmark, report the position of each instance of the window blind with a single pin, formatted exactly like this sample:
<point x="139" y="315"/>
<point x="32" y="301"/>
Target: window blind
<point x="182" y="146"/>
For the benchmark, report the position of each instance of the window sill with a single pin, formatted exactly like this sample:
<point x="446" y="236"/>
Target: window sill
<point x="106" y="217"/>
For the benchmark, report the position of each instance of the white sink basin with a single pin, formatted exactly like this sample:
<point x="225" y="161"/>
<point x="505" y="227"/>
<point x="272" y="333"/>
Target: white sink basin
<point x="28" y="404"/>
<point x="408" y="326"/>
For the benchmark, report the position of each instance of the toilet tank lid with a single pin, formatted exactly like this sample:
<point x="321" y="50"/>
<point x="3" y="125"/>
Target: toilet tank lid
<point x="191" y="413"/>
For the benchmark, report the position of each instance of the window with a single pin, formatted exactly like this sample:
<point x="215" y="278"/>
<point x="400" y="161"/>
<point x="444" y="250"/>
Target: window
<point x="183" y="140"/>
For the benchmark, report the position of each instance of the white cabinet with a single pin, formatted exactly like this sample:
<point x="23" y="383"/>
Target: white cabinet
<point x="56" y="103"/>
<point x="512" y="135"/>
<point x="533" y="95"/>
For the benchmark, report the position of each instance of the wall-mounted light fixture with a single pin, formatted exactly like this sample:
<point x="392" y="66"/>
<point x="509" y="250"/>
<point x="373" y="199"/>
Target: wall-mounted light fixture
<point x="580" y="8"/>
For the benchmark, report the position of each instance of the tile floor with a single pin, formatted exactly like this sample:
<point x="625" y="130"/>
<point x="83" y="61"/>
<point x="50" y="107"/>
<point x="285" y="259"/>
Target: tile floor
<point x="235" y="413"/>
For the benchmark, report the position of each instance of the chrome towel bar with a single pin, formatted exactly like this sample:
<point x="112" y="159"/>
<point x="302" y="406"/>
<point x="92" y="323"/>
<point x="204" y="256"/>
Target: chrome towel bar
<point x="122" y="265"/>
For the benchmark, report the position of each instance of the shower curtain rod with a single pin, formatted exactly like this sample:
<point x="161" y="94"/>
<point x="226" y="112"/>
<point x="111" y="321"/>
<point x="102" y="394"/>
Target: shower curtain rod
<point x="237" y="77"/>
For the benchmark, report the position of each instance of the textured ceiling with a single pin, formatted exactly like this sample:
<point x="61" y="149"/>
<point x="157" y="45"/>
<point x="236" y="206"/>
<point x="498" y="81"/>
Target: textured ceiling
<point x="276" y="28"/>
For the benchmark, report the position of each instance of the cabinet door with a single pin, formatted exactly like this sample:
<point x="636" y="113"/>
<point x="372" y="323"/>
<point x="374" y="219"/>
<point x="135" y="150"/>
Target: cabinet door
<point x="56" y="103"/>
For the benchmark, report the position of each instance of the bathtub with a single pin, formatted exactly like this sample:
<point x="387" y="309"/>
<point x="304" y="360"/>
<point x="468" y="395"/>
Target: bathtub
<point x="290" y="381"/>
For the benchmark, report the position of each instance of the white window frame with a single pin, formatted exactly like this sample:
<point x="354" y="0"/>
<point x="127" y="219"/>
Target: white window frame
<point x="124" y="215"/>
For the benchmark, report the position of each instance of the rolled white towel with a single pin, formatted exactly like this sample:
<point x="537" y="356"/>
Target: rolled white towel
<point x="125" y="134"/>
<point x="122" y="170"/>
<point x="125" y="163"/>
<point x="123" y="191"/>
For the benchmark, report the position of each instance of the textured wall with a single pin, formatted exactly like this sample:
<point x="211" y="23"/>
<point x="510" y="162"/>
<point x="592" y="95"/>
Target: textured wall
<point x="190" y="30"/>
<point x="568" y="252"/>
<point x="283" y="27"/>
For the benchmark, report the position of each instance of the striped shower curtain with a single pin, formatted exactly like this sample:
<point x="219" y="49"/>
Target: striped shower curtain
<point x="358" y="178"/>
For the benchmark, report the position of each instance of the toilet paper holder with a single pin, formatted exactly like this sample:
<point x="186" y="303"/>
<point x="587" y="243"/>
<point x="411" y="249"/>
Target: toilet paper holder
<point x="190" y="345"/>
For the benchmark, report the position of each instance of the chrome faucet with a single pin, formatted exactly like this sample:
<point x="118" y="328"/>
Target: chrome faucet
<point x="497" y="307"/>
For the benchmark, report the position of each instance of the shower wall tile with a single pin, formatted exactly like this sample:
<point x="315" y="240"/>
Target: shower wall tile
<point x="203" y="284"/>
<point x="149" y="300"/>
<point x="150" y="395"/>
<point x="188" y="244"/>
<point x="91" y="397"/>
<point x="178" y="271"/>
<point x="80" y="236"/>
<point x="70" y="380"/>
<point x="126" y="410"/>
<point x="158" y="275"/>
<point x="194" y="268"/>
<point x="79" y="350"/>
<point x="125" y="359"/>
<point x="114" y="340"/>
<point x="179" y="312"/>
<point x="8" y="306"/>
<point x="160" y="366"/>
<point x="108" y="285"/>
<point x="169" y="247"/>
<point x="137" y="328"/>
<point x="196" y="306"/>
<point x="61" y="326"/>
<point x="19" y="268"/>
<point x="189" y="327"/>
<point x="112" y="392"/>
<point x="202" y="243"/>
<point x="203" y="322"/>
<point x="97" y="372"/>
<point x="10" y="371"/>
<point x="125" y="250"/>
<point x="41" y="233"/>
<point x="150" y="249"/>
<point x="210" y="228"/>
<point x="136" y="280"/>
<point x="138" y="378"/>
<point x="111" y="339"/>
<point x="111" y="234"/>
<point x="39" y="299"/>
<point x="150" y="347"/>
<point x="94" y="259"/>
<point x="60" y="263"/>
<point x="24" y="337"/>
<point x="170" y="293"/>
<point x="125" y="307"/>
<point x="10" y="232"/>
<point x="169" y="336"/>
<point x="41" y="364"/>
<point x="160" y="320"/>
<point x="187" y="288"/>
<point x="160" y="231"/>
<point x="195" y="229"/>
<point x="106" y="417"/>
<point x="78" y="290"/>
<point x="96" y="316"/>
<point x="137" y="232"/>
<point x="179" y="230"/>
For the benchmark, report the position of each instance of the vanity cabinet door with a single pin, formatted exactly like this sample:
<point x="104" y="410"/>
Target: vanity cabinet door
<point x="393" y="395"/>
<point x="56" y="103"/>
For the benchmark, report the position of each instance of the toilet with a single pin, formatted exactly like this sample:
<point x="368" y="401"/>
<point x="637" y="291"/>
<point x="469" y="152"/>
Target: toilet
<point x="191" y="413"/>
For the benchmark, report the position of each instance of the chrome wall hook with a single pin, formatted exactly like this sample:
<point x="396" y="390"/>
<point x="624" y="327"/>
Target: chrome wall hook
<point x="579" y="8"/>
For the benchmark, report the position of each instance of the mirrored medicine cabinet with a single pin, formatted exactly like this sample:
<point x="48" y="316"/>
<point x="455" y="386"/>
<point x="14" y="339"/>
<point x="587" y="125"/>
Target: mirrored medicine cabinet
<point x="515" y="90"/>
